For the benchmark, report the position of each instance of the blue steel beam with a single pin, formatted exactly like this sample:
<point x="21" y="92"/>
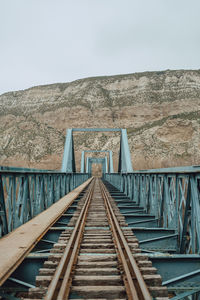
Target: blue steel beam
<point x="23" y="195"/>
<point x="110" y="165"/>
<point x="173" y="198"/>
<point x="90" y="151"/>
<point x="110" y="168"/>
<point x="68" y="162"/>
<point x="186" y="294"/>
<point x="82" y="161"/>
<point x="125" y="164"/>
<point x="96" y="129"/>
<point x="106" y="164"/>
<point x="179" y="272"/>
<point x="184" y="169"/>
<point x="100" y="160"/>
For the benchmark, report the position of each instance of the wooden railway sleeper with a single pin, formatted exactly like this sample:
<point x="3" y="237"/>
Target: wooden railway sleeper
<point x="86" y="263"/>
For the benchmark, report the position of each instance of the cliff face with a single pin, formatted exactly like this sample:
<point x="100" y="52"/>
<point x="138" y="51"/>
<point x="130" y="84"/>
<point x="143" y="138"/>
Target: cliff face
<point x="161" y="111"/>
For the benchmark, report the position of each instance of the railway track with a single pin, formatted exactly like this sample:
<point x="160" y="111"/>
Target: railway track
<point x="97" y="257"/>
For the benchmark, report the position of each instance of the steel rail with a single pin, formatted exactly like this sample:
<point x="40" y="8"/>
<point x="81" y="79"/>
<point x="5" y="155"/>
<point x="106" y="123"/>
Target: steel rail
<point x="134" y="282"/>
<point x="15" y="246"/>
<point x="59" y="287"/>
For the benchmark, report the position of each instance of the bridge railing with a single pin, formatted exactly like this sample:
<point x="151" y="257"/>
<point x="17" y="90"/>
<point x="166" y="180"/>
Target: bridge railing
<point x="172" y="196"/>
<point x="24" y="193"/>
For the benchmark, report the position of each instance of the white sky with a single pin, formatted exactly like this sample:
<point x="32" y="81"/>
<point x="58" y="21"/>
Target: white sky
<point x="48" y="41"/>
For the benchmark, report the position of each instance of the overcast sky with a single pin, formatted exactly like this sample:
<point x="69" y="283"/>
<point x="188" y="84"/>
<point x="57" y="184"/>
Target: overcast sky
<point x="48" y="41"/>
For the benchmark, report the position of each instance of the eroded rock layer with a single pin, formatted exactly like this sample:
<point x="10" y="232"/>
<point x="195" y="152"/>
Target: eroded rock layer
<point x="161" y="111"/>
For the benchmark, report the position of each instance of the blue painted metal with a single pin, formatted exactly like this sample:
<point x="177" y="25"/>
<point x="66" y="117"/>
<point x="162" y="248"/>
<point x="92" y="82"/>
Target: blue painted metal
<point x="68" y="163"/>
<point x="87" y="164"/>
<point x="110" y="165"/>
<point x="162" y="209"/>
<point x="184" y="169"/>
<point x="186" y="294"/>
<point x="173" y="198"/>
<point x="97" y="129"/>
<point x="21" y="282"/>
<point x="19" y="169"/>
<point x="100" y="160"/>
<point x="182" y="277"/>
<point x="83" y="162"/>
<point x="125" y="164"/>
<point x="161" y="206"/>
<point x="106" y="165"/>
<point x="179" y="272"/>
<point x="97" y="151"/>
<point x="8" y="296"/>
<point x="23" y="195"/>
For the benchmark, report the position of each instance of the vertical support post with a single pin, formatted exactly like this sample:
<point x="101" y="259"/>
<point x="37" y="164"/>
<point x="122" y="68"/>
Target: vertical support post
<point x="106" y="164"/>
<point x="68" y="162"/>
<point x="83" y="162"/>
<point x="111" y="169"/>
<point x="187" y="213"/>
<point x="87" y="165"/>
<point x="13" y="200"/>
<point x="4" y="225"/>
<point x="125" y="164"/>
<point x="51" y="196"/>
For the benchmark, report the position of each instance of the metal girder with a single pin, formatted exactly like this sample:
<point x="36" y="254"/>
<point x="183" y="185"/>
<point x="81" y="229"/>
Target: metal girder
<point x="173" y="198"/>
<point x="184" y="169"/>
<point x="178" y="271"/>
<point x="97" y="129"/>
<point x="29" y="269"/>
<point x="18" y="169"/>
<point x="96" y="151"/>
<point x="186" y="294"/>
<point x="41" y="237"/>
<point x="110" y="164"/>
<point x="100" y="160"/>
<point x="125" y="164"/>
<point x="172" y="201"/>
<point x="23" y="195"/>
<point x="68" y="163"/>
<point x="8" y="296"/>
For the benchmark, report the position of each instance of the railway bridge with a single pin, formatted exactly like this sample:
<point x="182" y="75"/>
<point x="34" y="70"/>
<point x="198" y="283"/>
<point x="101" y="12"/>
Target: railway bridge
<point x="128" y="235"/>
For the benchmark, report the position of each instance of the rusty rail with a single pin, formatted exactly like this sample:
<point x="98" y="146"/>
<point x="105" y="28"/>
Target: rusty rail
<point x="60" y="285"/>
<point x="133" y="280"/>
<point x="15" y="246"/>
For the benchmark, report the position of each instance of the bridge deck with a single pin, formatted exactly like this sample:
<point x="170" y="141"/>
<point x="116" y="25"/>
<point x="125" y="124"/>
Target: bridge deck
<point x="45" y="235"/>
<point x="15" y="246"/>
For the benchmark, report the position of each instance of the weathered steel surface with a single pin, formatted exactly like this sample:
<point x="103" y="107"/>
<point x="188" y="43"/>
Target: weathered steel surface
<point x="162" y="209"/>
<point x="110" y="162"/>
<point x="68" y="163"/>
<point x="96" y="160"/>
<point x="136" y="286"/>
<point x="15" y="246"/>
<point x="24" y="193"/>
<point x="94" y="257"/>
<point x="172" y="198"/>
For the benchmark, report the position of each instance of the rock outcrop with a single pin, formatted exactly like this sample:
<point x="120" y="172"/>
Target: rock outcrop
<point x="161" y="111"/>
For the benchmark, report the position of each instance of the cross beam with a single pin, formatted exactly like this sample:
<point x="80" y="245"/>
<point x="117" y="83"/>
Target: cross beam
<point x="95" y="160"/>
<point x="110" y="164"/>
<point x="68" y="163"/>
<point x="97" y="129"/>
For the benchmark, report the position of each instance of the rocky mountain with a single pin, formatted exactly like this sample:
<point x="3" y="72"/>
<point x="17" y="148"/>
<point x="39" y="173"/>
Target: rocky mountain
<point x="161" y="111"/>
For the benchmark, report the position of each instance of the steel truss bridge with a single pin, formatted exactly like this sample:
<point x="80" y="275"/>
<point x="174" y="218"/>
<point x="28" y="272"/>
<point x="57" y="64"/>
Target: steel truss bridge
<point x="160" y="206"/>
